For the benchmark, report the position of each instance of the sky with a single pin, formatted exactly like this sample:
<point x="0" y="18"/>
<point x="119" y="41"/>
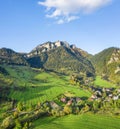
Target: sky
<point x="91" y="25"/>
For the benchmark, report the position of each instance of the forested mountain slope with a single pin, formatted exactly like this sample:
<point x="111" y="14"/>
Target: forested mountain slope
<point x="107" y="64"/>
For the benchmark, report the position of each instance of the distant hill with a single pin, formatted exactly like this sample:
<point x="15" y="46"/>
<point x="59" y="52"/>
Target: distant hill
<point x="61" y="57"/>
<point x="8" y="56"/>
<point x="107" y="64"/>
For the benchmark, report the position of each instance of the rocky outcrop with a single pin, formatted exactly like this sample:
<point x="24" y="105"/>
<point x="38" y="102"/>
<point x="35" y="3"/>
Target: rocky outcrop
<point x="115" y="57"/>
<point x="45" y="47"/>
<point x="48" y="46"/>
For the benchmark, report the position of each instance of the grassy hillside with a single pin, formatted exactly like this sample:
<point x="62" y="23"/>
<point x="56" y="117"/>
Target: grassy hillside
<point x="33" y="85"/>
<point x="46" y="87"/>
<point x="85" y="121"/>
<point x="103" y="83"/>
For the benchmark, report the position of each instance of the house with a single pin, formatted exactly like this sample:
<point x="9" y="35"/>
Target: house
<point x="98" y="93"/>
<point x="63" y="100"/>
<point x="69" y="103"/>
<point x="93" y="97"/>
<point x="118" y="90"/>
<point x="53" y="105"/>
<point x="110" y="95"/>
<point x="78" y="99"/>
<point x="115" y="97"/>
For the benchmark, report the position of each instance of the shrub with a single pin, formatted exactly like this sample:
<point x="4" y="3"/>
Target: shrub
<point x="67" y="109"/>
<point x="15" y="114"/>
<point x="20" y="106"/>
<point x="17" y="125"/>
<point x="8" y="123"/>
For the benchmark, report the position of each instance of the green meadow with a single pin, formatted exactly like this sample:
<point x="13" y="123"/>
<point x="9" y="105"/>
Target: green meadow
<point x="40" y="86"/>
<point x="103" y="83"/>
<point x="84" y="121"/>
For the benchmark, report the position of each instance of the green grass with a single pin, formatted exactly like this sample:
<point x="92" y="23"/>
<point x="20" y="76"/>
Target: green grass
<point x="48" y="88"/>
<point x="103" y="83"/>
<point x="40" y="85"/>
<point x="43" y="93"/>
<point x="21" y="75"/>
<point x="85" y="121"/>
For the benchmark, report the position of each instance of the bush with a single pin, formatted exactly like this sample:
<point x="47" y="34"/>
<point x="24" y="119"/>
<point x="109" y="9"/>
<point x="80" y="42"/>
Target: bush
<point x="20" y="106"/>
<point x="15" y="114"/>
<point x="8" y="123"/>
<point x="67" y="109"/>
<point x="17" y="125"/>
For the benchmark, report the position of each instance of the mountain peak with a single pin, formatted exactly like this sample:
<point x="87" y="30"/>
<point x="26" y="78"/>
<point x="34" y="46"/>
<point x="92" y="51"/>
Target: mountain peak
<point x="47" y="46"/>
<point x="51" y="45"/>
<point x="60" y="56"/>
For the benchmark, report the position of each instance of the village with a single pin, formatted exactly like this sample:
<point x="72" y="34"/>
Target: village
<point x="101" y="99"/>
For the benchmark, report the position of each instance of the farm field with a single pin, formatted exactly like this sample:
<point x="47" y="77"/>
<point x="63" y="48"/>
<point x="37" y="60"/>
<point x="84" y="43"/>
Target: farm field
<point x="84" y="121"/>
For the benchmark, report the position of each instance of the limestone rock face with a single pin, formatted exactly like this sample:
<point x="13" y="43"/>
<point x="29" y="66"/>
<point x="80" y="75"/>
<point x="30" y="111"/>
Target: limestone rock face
<point x="48" y="46"/>
<point x="115" y="57"/>
<point x="45" y="47"/>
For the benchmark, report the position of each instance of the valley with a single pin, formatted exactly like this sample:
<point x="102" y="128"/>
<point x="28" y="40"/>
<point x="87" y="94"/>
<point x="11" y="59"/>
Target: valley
<point x="58" y="85"/>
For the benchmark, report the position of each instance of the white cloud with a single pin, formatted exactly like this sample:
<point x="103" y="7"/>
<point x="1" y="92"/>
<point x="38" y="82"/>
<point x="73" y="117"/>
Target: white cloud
<point x="60" y="21"/>
<point x="68" y="10"/>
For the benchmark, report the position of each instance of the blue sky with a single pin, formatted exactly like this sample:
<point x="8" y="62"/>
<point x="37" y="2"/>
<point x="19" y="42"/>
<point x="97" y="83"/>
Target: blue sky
<point x="91" y="26"/>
